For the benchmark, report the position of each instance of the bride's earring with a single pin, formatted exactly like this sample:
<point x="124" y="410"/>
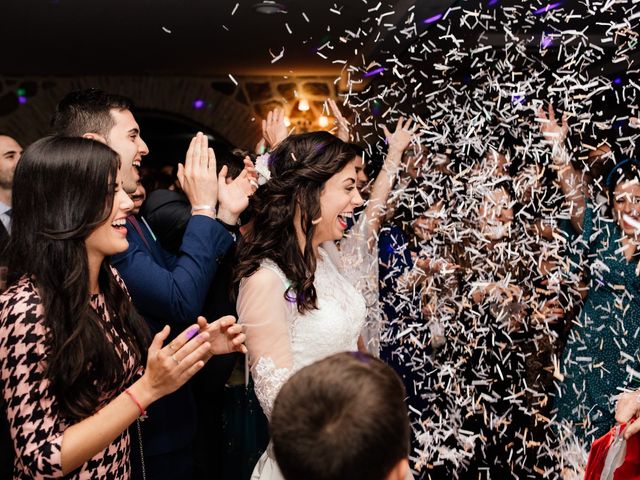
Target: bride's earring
<point x="316" y="221"/>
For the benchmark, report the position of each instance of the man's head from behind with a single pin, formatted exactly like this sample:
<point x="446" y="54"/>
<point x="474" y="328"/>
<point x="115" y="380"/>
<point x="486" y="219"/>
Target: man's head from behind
<point x="342" y="418"/>
<point x="107" y="118"/>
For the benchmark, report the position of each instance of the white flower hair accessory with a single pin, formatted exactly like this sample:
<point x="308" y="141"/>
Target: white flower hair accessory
<point x="262" y="168"/>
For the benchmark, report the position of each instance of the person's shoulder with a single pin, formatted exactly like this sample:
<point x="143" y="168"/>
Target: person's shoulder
<point x="268" y="275"/>
<point x="162" y="200"/>
<point x="22" y="291"/>
<point x="164" y="195"/>
<point x="20" y="300"/>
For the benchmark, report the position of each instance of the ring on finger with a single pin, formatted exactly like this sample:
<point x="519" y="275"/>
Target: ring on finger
<point x="173" y="357"/>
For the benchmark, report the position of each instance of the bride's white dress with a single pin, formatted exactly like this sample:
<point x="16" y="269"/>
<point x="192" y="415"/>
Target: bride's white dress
<point x="281" y="341"/>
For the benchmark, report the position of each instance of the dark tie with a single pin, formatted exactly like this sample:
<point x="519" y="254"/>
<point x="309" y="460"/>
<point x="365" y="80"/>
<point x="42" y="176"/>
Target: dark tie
<point x="136" y="225"/>
<point x="8" y="214"/>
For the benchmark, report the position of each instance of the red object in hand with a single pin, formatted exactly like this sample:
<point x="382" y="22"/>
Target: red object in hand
<point x="630" y="468"/>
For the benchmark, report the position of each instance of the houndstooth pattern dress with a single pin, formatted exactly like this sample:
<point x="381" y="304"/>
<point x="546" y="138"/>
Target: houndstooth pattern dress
<point x="36" y="426"/>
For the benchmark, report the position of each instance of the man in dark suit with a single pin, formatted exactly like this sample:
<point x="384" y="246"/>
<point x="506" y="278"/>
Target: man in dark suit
<point x="10" y="152"/>
<point x="165" y="289"/>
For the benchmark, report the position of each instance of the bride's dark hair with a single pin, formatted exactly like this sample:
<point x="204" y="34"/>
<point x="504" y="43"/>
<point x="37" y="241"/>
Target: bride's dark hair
<point x="300" y="166"/>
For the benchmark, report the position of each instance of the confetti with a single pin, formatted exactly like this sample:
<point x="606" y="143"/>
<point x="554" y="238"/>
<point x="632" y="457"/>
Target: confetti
<point x="498" y="346"/>
<point x="275" y="58"/>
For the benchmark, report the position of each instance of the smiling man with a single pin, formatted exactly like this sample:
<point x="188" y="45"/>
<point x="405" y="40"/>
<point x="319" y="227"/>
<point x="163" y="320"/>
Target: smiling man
<point x="10" y="152"/>
<point x="107" y="118"/>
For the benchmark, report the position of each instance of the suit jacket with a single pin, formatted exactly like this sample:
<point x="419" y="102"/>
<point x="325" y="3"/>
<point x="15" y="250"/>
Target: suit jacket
<point x="168" y="213"/>
<point x="170" y="290"/>
<point x="4" y="240"/>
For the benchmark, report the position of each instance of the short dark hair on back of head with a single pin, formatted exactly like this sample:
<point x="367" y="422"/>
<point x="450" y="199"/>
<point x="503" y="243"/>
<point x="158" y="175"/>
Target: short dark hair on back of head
<point x="88" y="111"/>
<point x="232" y="159"/>
<point x="343" y="417"/>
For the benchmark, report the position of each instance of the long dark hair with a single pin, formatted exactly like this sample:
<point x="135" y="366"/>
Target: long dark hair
<point x="62" y="190"/>
<point x="300" y="166"/>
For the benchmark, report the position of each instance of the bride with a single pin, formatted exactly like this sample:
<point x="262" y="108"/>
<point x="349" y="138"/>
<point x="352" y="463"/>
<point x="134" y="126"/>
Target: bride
<point x="295" y="305"/>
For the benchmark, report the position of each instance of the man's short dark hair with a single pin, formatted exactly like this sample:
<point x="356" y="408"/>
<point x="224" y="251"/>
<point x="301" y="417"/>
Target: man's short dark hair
<point x="88" y="111"/>
<point x="341" y="418"/>
<point x="7" y="134"/>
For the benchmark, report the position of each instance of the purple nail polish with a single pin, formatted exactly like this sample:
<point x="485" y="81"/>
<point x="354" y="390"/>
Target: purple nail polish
<point x="193" y="332"/>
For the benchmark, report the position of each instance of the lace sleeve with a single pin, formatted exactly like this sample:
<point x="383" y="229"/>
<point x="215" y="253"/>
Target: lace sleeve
<point x="264" y="313"/>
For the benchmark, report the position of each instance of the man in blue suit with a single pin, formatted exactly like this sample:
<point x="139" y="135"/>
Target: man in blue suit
<point x="166" y="289"/>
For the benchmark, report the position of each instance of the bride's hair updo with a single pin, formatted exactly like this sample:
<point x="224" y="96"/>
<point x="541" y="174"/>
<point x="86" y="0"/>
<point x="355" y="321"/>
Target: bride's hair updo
<point x="299" y="166"/>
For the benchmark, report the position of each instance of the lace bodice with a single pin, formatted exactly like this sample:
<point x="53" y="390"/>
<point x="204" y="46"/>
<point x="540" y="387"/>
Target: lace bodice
<point x="280" y="340"/>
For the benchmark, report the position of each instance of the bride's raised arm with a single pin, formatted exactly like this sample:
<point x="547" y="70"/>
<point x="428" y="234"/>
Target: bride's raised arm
<point x="264" y="312"/>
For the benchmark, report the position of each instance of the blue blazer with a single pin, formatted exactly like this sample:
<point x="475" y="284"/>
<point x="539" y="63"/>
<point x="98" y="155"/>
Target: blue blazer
<point x="168" y="289"/>
<point x="171" y="290"/>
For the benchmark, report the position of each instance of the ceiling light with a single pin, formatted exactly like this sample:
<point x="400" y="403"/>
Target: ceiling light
<point x="303" y="105"/>
<point x="323" y="121"/>
<point x="269" y="8"/>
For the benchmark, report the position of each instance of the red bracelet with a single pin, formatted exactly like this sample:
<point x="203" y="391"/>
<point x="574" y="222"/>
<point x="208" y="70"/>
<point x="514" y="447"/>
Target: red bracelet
<point x="143" y="412"/>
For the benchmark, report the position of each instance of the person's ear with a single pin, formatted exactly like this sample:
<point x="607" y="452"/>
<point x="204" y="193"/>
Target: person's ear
<point x="95" y="136"/>
<point x="400" y="471"/>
